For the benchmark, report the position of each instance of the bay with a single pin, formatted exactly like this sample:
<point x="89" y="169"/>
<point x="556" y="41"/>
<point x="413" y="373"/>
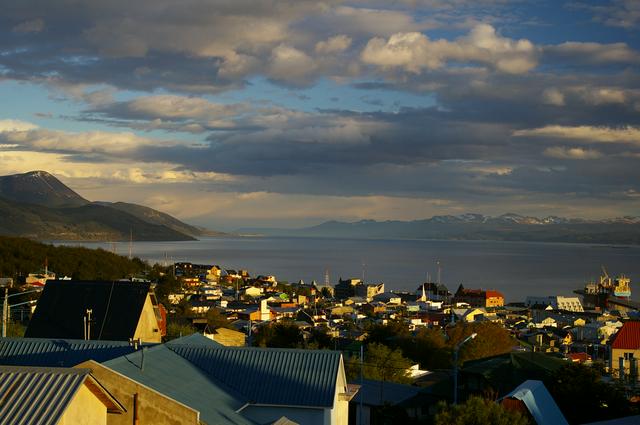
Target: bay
<point x="517" y="269"/>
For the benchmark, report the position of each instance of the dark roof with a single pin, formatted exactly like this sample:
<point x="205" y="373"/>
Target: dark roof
<point x="270" y="376"/>
<point x="379" y="393"/>
<point x="116" y="308"/>
<point x="628" y="337"/>
<point x="58" y="352"/>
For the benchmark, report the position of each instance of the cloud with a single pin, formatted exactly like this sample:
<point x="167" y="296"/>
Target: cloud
<point x="585" y="133"/>
<point x="10" y="126"/>
<point x="592" y="52"/>
<point x="572" y="153"/>
<point x="335" y="44"/>
<point x="414" y="51"/>
<point x="31" y="26"/>
<point x="290" y="65"/>
<point x="553" y="96"/>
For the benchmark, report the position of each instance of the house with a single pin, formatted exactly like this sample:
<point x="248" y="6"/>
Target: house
<point x="558" y="302"/>
<point x="102" y="310"/>
<point x="226" y="337"/>
<point x="374" y="398"/>
<point x="54" y="396"/>
<point x="469" y="314"/>
<point x="625" y="349"/>
<point x="433" y="291"/>
<point x="226" y="385"/>
<point x="479" y="298"/>
<point x="533" y="398"/>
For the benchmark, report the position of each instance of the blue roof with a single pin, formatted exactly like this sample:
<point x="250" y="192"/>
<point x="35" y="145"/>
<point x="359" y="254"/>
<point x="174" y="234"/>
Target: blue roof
<point x="37" y="395"/>
<point x="58" y="352"/>
<point x="539" y="402"/>
<point x="269" y="375"/>
<point x="170" y="374"/>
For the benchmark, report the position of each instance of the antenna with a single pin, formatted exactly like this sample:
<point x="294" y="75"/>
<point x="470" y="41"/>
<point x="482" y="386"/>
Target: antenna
<point x="439" y="271"/>
<point x="326" y="277"/>
<point x="130" y="242"/>
<point x="363" y="269"/>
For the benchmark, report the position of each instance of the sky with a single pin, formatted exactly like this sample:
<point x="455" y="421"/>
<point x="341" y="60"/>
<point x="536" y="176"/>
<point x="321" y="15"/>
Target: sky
<point x="245" y="113"/>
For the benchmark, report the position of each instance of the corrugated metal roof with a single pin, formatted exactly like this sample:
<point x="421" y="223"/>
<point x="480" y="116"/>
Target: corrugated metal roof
<point x="58" y="352"/>
<point x="628" y="337"/>
<point x="37" y="395"/>
<point x="269" y="375"/>
<point x="379" y="393"/>
<point x="539" y="402"/>
<point x="172" y="375"/>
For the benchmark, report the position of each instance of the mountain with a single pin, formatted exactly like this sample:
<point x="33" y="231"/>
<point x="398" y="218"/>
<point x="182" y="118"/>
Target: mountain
<point x="506" y="227"/>
<point x="39" y="206"/>
<point x="41" y="188"/>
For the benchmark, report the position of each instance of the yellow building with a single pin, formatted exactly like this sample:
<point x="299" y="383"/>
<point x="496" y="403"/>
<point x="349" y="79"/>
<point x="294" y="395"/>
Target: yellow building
<point x="54" y="396"/>
<point x="625" y="348"/>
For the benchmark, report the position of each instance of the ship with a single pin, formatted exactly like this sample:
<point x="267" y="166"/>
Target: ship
<point x="598" y="294"/>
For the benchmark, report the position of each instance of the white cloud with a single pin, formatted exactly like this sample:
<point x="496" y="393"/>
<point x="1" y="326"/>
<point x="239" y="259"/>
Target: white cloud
<point x="586" y="133"/>
<point x="572" y="153"/>
<point x="414" y="51"/>
<point x="291" y="65"/>
<point x="10" y="126"/>
<point x="336" y="44"/>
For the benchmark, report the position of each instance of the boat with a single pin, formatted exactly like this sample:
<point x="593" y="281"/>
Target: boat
<point x="597" y="294"/>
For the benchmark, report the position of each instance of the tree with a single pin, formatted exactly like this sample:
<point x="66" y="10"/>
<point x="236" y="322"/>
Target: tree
<point x="178" y="329"/>
<point x="478" y="411"/>
<point x="583" y="397"/>
<point x="492" y="340"/>
<point x="278" y="335"/>
<point x="216" y="319"/>
<point x="382" y="363"/>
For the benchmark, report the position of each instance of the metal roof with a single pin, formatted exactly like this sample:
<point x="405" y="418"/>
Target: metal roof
<point x="116" y="307"/>
<point x="58" y="352"/>
<point x="379" y="393"/>
<point x="269" y="375"/>
<point x="539" y="402"/>
<point x="172" y="375"/>
<point x="628" y="337"/>
<point x="37" y="395"/>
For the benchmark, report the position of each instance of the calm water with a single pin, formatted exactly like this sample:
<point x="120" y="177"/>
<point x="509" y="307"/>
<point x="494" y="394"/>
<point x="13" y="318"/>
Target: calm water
<point x="517" y="269"/>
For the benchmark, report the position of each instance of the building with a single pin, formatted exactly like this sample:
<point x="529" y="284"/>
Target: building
<point x="479" y="297"/>
<point x="558" y="302"/>
<point x="532" y="398"/>
<point x="433" y="292"/>
<point x="356" y="288"/>
<point x="143" y="405"/>
<point x="54" y="396"/>
<point x="226" y="385"/>
<point x="102" y="310"/>
<point x="625" y="349"/>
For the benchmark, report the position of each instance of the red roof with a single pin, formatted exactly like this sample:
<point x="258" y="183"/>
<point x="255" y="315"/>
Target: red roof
<point x="628" y="337"/>
<point x="579" y="357"/>
<point x="494" y="294"/>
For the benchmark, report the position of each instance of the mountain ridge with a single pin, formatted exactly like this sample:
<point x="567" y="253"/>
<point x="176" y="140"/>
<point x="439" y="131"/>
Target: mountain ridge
<point x="470" y="226"/>
<point x="38" y="205"/>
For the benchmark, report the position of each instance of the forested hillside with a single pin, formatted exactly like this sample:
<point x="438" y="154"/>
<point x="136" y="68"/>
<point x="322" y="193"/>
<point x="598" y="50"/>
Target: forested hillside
<point x="20" y="256"/>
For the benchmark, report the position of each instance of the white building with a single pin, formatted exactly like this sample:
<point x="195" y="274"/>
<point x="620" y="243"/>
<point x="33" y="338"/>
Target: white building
<point x="557" y="302"/>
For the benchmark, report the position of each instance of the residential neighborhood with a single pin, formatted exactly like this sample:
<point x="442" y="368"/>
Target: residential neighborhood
<point x="192" y="343"/>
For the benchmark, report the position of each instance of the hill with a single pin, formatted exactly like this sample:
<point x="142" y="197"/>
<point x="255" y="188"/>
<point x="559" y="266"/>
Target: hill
<point x="38" y="205"/>
<point x="20" y="256"/>
<point x="507" y="227"/>
<point x="40" y="188"/>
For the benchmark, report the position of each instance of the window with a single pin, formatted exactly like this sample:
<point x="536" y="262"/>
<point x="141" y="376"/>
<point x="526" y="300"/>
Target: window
<point x="628" y="356"/>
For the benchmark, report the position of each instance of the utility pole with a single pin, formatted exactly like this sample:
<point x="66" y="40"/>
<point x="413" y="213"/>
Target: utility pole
<point x="5" y="310"/>
<point x="455" y="365"/>
<point x="438" y="263"/>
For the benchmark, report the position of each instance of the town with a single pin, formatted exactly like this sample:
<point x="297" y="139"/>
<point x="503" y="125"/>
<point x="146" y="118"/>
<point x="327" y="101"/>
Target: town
<point x="199" y="343"/>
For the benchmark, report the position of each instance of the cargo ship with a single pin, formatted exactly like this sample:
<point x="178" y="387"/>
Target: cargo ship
<point x="598" y="294"/>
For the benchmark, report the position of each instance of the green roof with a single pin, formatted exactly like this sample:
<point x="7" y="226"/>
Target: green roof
<point x="172" y="375"/>
<point x="270" y="376"/>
